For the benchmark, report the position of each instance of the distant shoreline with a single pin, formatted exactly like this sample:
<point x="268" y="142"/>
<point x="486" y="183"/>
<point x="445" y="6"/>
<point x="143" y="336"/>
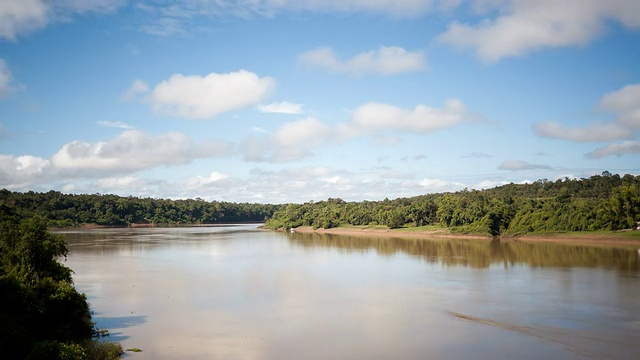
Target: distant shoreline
<point x="596" y="239"/>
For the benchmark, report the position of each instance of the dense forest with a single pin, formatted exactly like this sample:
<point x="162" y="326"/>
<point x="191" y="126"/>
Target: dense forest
<point x="42" y="315"/>
<point x="72" y="210"/>
<point x="601" y="202"/>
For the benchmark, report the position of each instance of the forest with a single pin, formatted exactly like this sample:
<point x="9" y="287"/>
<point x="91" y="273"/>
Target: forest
<point x="42" y="315"/>
<point x="73" y="210"/>
<point x="600" y="202"/>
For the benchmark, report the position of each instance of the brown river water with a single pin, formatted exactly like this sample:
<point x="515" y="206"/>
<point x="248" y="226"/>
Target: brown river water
<point x="237" y="292"/>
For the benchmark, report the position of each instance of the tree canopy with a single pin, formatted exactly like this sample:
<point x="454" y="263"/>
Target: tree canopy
<point x="600" y="202"/>
<point x="42" y="314"/>
<point x="70" y="210"/>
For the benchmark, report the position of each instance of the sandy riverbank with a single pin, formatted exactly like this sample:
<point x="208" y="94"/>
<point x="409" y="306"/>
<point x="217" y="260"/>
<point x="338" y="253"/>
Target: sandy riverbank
<point x="596" y="239"/>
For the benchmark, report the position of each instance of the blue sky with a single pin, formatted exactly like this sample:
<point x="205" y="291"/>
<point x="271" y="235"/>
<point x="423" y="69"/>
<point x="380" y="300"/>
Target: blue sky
<point x="278" y="101"/>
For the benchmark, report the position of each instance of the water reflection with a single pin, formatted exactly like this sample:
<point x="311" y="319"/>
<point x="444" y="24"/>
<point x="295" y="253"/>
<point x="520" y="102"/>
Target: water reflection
<point x="479" y="253"/>
<point x="241" y="293"/>
<point x="115" y="324"/>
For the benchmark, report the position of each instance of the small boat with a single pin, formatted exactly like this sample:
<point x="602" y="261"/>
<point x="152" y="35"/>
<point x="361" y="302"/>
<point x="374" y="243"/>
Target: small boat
<point x="292" y="230"/>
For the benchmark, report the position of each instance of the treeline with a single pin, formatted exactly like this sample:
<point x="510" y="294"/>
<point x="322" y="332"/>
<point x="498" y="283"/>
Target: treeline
<point x="72" y="210"/>
<point x="42" y="315"/>
<point x="601" y="202"/>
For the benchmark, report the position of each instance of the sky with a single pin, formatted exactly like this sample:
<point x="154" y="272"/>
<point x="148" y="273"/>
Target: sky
<point x="277" y="101"/>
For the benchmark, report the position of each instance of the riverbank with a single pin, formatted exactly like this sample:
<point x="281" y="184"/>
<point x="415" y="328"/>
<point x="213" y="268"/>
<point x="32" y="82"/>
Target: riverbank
<point x="608" y="239"/>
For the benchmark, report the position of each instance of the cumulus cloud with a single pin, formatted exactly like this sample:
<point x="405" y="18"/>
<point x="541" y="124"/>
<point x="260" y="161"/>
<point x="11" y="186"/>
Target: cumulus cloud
<point x="283" y="107"/>
<point x="307" y="132"/>
<point x="18" y="172"/>
<point x="294" y="140"/>
<point x="22" y="17"/>
<point x="525" y="26"/>
<point x="375" y="117"/>
<point x="385" y="61"/>
<point x="626" y="147"/>
<point x="517" y="165"/>
<point x="134" y="150"/>
<point x="202" y="97"/>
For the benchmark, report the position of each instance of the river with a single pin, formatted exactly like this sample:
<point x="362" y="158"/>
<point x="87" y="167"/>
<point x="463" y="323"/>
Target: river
<point x="238" y="292"/>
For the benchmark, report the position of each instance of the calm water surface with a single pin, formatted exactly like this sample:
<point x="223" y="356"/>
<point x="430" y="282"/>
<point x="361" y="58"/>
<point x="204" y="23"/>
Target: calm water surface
<point x="236" y="292"/>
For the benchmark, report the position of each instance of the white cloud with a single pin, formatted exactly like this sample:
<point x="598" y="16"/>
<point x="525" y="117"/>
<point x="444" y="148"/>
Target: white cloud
<point x="19" y="172"/>
<point x="488" y="184"/>
<point x="115" y="124"/>
<point x="24" y="16"/>
<point x="294" y="140"/>
<point x="204" y="182"/>
<point x="134" y="150"/>
<point x="374" y="117"/>
<point x="137" y="88"/>
<point x="20" y="17"/>
<point x="283" y="107"/>
<point x="386" y="61"/>
<point x="305" y="132"/>
<point x="596" y="131"/>
<point x="525" y="26"/>
<point x="624" y="148"/>
<point x="625" y="103"/>
<point x="201" y="97"/>
<point x="517" y="165"/>
<point x="112" y="183"/>
<point x="439" y="185"/>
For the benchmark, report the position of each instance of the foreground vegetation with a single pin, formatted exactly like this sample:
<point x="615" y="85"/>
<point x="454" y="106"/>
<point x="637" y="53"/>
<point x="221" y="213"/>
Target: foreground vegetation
<point x="601" y="202"/>
<point x="72" y="210"/>
<point x="42" y="315"/>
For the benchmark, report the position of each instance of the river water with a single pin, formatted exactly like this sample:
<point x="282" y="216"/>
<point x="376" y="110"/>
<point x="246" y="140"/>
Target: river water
<point x="237" y="292"/>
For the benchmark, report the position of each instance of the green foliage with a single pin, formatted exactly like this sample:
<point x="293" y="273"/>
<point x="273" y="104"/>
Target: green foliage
<point x="71" y="210"/>
<point x="48" y="318"/>
<point x="601" y="202"/>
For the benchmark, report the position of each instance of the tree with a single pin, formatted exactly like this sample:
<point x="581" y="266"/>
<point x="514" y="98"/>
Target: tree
<point x="49" y="318"/>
